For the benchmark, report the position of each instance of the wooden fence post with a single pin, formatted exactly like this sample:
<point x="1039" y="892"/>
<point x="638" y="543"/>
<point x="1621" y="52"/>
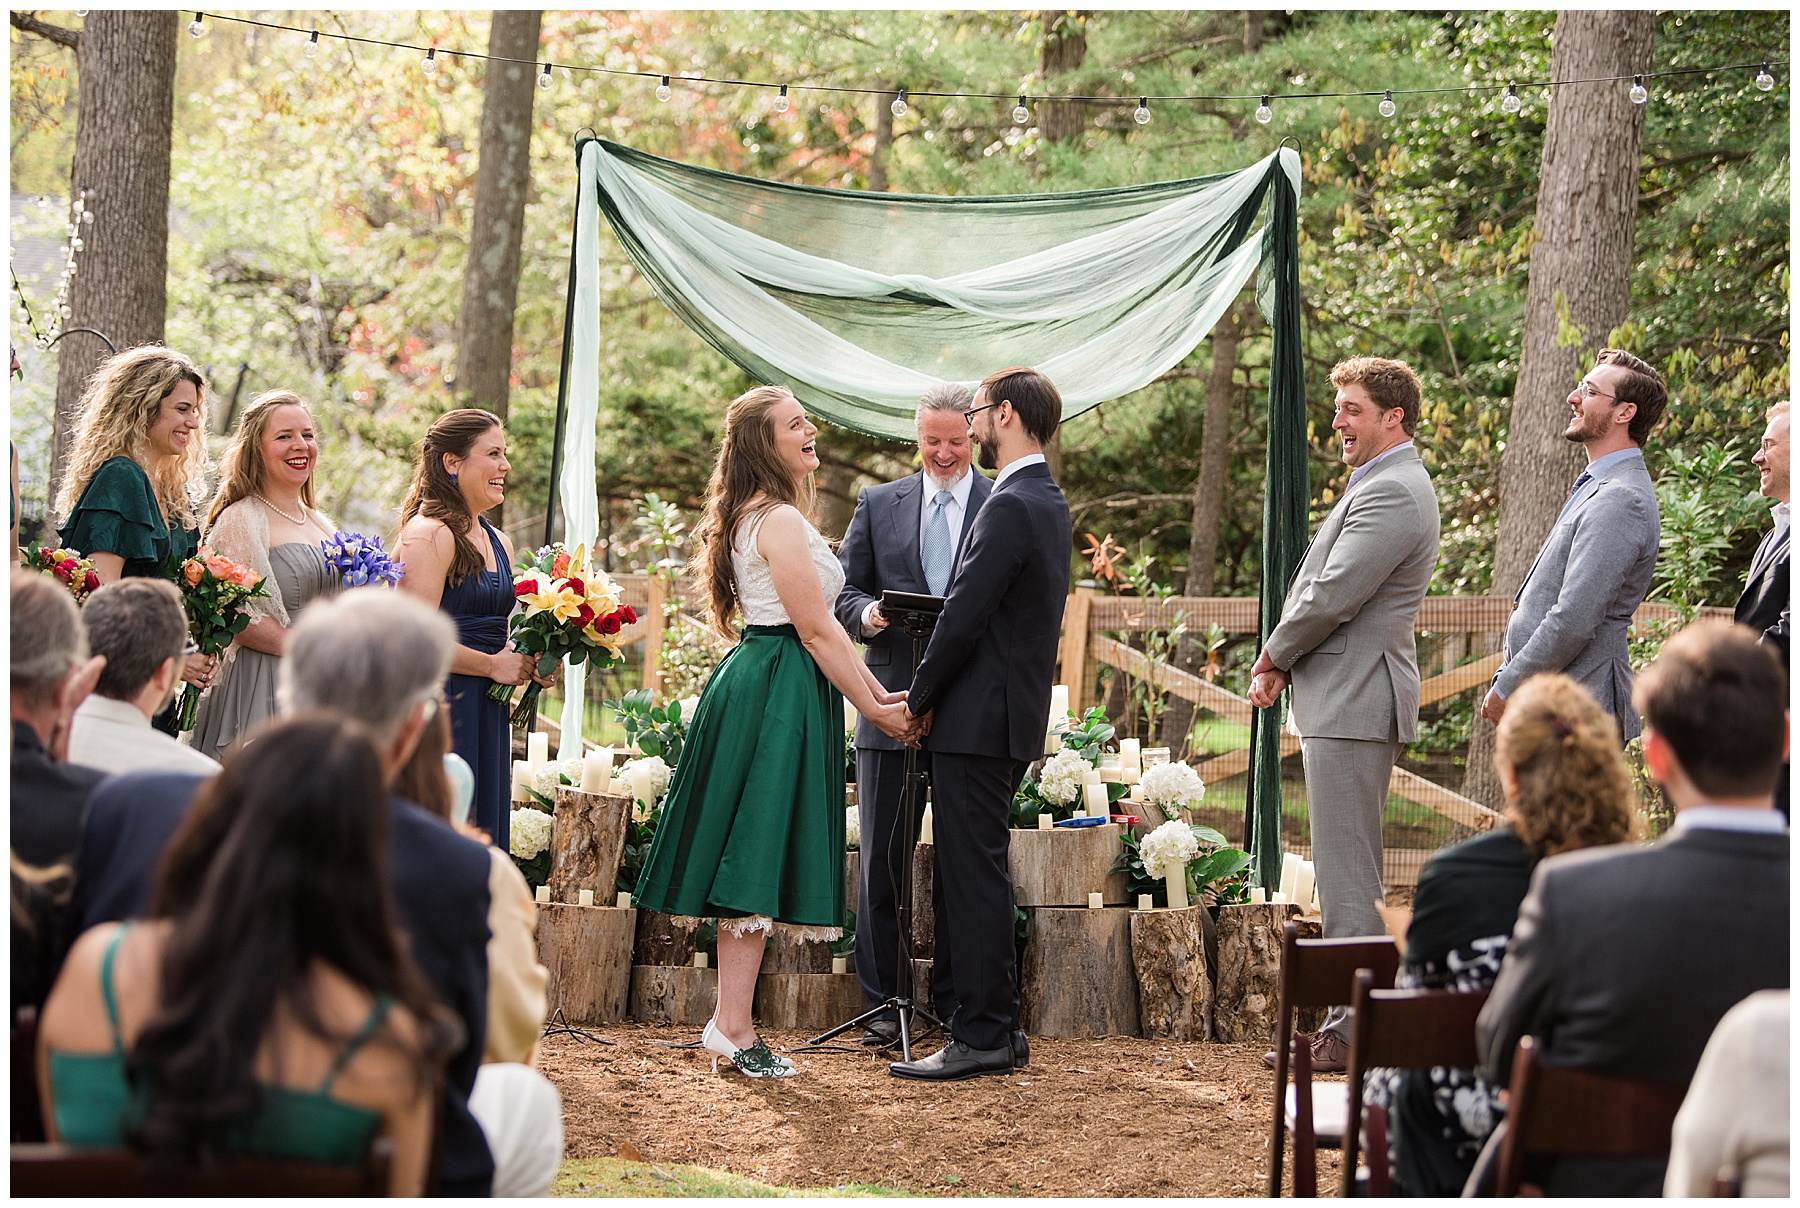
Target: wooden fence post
<point x="1076" y="611"/>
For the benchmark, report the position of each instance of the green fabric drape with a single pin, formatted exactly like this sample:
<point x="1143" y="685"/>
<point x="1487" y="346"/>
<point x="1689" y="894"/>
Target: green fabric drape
<point x="859" y="302"/>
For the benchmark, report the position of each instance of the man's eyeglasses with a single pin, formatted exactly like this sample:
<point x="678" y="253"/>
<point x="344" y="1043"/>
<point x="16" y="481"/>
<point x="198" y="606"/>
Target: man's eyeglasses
<point x="1586" y="388"/>
<point x="969" y="416"/>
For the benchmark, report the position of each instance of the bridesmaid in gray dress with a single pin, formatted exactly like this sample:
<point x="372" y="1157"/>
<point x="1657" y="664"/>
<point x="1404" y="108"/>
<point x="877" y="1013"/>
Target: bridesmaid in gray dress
<point x="263" y="517"/>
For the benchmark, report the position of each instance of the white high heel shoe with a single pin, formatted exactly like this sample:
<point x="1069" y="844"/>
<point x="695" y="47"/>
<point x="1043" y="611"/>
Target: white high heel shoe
<point x="754" y="1062"/>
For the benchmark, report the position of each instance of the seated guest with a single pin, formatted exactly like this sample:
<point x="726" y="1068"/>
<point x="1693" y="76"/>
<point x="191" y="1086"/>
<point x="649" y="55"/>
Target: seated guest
<point x="1734" y="1121"/>
<point x="1559" y="762"/>
<point x="139" y="626"/>
<point x="380" y="658"/>
<point x="51" y="675"/>
<point x="40" y="914"/>
<point x="1625" y="958"/>
<point x="271" y="1007"/>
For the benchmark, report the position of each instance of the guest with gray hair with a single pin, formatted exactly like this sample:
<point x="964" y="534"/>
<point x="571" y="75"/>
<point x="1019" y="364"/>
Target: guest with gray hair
<point x="904" y="536"/>
<point x="51" y="675"/>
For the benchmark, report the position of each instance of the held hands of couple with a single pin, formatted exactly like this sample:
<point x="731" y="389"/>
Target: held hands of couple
<point x="893" y="718"/>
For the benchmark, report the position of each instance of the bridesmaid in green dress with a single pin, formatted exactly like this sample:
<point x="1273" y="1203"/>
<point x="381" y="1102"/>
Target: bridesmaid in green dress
<point x="752" y="830"/>
<point x="263" y="518"/>
<point x="138" y="459"/>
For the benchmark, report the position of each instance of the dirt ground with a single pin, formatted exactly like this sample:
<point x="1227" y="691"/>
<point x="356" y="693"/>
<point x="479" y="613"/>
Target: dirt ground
<point x="1121" y="1116"/>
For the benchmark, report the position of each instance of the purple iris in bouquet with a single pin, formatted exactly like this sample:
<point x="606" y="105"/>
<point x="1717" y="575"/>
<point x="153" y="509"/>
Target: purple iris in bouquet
<point x="361" y="561"/>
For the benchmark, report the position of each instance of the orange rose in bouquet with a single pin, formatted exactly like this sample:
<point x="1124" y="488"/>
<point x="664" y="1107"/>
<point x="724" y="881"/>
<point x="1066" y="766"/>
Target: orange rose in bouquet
<point x="216" y="593"/>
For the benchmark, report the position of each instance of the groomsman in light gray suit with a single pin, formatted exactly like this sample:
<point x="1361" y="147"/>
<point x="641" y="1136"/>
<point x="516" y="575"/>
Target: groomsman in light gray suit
<point x="1345" y="645"/>
<point x="1573" y="611"/>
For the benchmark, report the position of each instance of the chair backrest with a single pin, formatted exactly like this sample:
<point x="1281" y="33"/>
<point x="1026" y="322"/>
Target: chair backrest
<point x="54" y="1170"/>
<point x="27" y="1109"/>
<point x="1567" y="1111"/>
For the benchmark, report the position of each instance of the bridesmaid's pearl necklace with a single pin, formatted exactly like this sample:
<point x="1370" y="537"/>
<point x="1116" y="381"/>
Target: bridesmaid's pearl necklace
<point x="300" y="519"/>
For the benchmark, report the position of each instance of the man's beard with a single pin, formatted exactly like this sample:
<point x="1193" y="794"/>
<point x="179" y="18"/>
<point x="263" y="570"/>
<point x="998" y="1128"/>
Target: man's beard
<point x="174" y="689"/>
<point x="1591" y="428"/>
<point x="985" y="456"/>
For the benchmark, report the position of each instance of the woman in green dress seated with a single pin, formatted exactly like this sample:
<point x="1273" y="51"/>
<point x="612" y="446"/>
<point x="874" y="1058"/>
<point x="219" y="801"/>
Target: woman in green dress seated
<point x="270" y="1007"/>
<point x="752" y="830"/>
<point x="263" y="517"/>
<point x="139" y="458"/>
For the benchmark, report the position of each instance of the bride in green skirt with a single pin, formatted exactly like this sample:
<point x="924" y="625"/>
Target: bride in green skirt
<point x="752" y="830"/>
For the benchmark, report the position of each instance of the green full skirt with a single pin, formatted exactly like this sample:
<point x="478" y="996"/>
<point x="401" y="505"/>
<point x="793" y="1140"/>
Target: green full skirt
<point x="753" y="823"/>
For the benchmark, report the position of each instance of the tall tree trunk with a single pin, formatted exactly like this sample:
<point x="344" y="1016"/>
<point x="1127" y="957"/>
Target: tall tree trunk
<point x="125" y="64"/>
<point x="1063" y="49"/>
<point x="884" y="138"/>
<point x="1215" y="454"/>
<point x="502" y="186"/>
<point x="1253" y="23"/>
<point x="1581" y="266"/>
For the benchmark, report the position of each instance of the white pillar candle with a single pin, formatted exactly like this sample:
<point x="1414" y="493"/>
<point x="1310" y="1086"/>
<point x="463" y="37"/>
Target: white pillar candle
<point x="1045" y="820"/>
<point x="596" y="770"/>
<point x="1303" y="885"/>
<point x="925" y="827"/>
<point x="584" y="898"/>
<point x="1136" y="793"/>
<point x="1177" y="882"/>
<point x="1095" y="797"/>
<point x="624" y="899"/>
<point x="1153" y="757"/>
<point x="1096" y="901"/>
<point x="1258" y="895"/>
<point x="840" y="964"/>
<point x="1278" y="897"/>
<point x="1130" y="763"/>
<point x="1146" y="902"/>
<point x="1090" y="776"/>
<point x="543" y="894"/>
<point x="521" y="779"/>
<point x="1290" y="870"/>
<point x="699" y="960"/>
<point x="1052" y="742"/>
<point x="537" y="747"/>
<point x="1059" y="703"/>
<point x="1110" y="774"/>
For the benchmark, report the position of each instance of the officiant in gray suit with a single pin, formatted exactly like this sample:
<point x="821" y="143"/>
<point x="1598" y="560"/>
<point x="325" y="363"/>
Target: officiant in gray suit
<point x="1573" y="611"/>
<point x="904" y="536"/>
<point x="1345" y="645"/>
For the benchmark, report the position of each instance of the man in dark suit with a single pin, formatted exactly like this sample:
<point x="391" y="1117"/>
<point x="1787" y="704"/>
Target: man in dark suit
<point x="904" y="536"/>
<point x="1764" y="605"/>
<point x="1624" y="958"/>
<point x="982" y="697"/>
<point x="51" y="675"/>
<point x="381" y="658"/>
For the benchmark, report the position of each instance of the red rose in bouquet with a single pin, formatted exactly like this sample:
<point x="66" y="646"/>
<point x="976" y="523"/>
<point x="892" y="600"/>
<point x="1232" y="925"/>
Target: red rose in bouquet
<point x="567" y="609"/>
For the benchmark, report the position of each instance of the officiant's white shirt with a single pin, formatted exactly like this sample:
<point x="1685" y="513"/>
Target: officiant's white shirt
<point x="115" y="736"/>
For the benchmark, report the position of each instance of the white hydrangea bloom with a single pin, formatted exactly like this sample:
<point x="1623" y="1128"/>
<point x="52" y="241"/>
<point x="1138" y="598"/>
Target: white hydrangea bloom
<point x="544" y="780"/>
<point x="852" y="828"/>
<point x="1059" y="780"/>
<point x="1173" y="786"/>
<point x="529" y="833"/>
<point x="1167" y="848"/>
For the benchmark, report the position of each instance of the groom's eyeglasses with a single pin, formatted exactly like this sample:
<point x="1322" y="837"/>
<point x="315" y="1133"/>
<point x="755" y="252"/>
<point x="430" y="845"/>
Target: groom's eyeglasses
<point x="969" y="416"/>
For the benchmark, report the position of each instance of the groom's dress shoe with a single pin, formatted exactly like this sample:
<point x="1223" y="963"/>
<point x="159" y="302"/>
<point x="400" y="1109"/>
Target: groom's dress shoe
<point x="881" y="1033"/>
<point x="955" y="1061"/>
<point x="1021" y="1050"/>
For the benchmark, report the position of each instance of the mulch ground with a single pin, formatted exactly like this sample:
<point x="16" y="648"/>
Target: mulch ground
<point x="1121" y="1116"/>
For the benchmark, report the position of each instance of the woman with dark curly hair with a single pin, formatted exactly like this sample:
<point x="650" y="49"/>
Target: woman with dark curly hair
<point x="1567" y="787"/>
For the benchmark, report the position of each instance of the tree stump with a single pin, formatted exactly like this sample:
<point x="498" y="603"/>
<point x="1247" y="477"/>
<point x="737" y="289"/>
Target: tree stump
<point x="1061" y="867"/>
<point x="683" y="997"/>
<point x="1078" y="979"/>
<point x="587" y="950"/>
<point x="786" y="952"/>
<point x="807" y="1000"/>
<point x="1175" y="994"/>
<point x="924" y="918"/>
<point x="852" y="878"/>
<point x="1247" y="999"/>
<point x="586" y="843"/>
<point x="662" y="940"/>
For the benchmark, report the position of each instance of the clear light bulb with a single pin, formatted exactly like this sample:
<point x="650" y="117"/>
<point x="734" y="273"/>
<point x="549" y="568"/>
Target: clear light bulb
<point x="429" y="64"/>
<point x="65" y="310"/>
<point x="196" y="27"/>
<point x="81" y="12"/>
<point x="898" y="108"/>
<point x="1264" y="114"/>
<point x="663" y="92"/>
<point x="311" y="49"/>
<point x="77" y="243"/>
<point x="1141" y="115"/>
<point x="1764" y="80"/>
<point x="781" y="100"/>
<point x="1639" y="94"/>
<point x="1021" y="114"/>
<point x="1387" y="107"/>
<point x="544" y="77"/>
<point x="1511" y="103"/>
<point x="87" y="216"/>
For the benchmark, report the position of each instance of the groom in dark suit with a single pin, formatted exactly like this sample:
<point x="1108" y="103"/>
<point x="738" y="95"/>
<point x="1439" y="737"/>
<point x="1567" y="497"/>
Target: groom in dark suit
<point x="904" y="536"/>
<point x="1764" y="605"/>
<point x="982" y="700"/>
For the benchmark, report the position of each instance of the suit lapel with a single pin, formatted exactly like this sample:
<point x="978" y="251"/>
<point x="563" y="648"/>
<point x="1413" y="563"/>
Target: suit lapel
<point x="905" y="517"/>
<point x="978" y="493"/>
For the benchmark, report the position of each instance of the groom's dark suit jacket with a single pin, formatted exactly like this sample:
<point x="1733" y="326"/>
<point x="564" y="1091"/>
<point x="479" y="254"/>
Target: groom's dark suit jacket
<point x="988" y="669"/>
<point x="1764" y="604"/>
<point x="440" y="883"/>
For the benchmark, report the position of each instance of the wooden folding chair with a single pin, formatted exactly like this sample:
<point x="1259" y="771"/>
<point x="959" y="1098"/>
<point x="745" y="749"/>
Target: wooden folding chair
<point x="1571" y="1112"/>
<point x="1400" y="1029"/>
<point x="56" y="1170"/>
<point x="27" y="1109"/>
<point x="1315" y="973"/>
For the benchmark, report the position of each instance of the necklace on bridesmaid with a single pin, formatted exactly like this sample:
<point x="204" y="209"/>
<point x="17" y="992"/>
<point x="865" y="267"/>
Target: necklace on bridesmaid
<point x="299" y="520"/>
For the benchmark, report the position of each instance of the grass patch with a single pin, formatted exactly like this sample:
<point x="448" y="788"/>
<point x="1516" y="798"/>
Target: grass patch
<point x="616" y="1177"/>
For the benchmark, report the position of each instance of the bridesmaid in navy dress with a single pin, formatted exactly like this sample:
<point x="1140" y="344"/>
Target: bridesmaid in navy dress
<point x="458" y="561"/>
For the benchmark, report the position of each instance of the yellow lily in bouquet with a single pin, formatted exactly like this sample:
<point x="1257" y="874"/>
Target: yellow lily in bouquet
<point x="569" y="609"/>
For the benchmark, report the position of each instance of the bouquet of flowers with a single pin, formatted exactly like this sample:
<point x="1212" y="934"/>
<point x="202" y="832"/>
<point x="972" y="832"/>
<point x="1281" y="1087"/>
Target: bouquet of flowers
<point x="360" y="561"/>
<point x="216" y="593"/>
<point x="67" y="566"/>
<point x="567" y="609"/>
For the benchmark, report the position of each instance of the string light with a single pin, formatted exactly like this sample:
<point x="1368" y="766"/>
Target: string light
<point x="1764" y="80"/>
<point x="1639" y="94"/>
<point x="781" y="100"/>
<point x="898" y="108"/>
<point x="1264" y="114"/>
<point x="662" y="90"/>
<point x="1387" y="107"/>
<point x="1511" y="102"/>
<point x="544" y="78"/>
<point x="1141" y="115"/>
<point x="1021" y="114"/>
<point x="429" y="63"/>
<point x="311" y="49"/>
<point x="197" y="26"/>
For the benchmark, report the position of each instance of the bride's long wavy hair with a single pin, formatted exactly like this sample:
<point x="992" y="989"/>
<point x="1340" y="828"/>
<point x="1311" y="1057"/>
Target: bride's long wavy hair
<point x="748" y="479"/>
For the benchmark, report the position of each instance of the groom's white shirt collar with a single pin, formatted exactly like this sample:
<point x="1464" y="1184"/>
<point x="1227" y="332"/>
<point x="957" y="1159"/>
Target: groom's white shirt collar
<point x="1030" y="459"/>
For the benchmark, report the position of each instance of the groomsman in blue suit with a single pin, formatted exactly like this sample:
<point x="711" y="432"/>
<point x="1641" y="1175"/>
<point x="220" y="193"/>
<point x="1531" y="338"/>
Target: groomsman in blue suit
<point x="904" y="536"/>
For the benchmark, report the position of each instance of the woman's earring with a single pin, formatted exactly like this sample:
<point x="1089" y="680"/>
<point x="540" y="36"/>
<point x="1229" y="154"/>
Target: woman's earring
<point x="452" y="480"/>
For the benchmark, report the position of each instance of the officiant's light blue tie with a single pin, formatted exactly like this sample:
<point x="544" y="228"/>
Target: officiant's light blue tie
<point x="934" y="554"/>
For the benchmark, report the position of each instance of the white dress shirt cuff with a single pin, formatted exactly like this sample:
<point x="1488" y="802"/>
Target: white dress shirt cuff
<point x="868" y="619"/>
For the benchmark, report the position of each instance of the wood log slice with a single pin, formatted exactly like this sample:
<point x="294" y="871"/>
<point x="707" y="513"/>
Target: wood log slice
<point x="1175" y="992"/>
<point x="807" y="1000"/>
<point x="786" y="952"/>
<point x="683" y="997"/>
<point x="1246" y="1003"/>
<point x="852" y="879"/>
<point x="662" y="939"/>
<point x="587" y="950"/>
<point x="1061" y="867"/>
<point x="924" y="918"/>
<point x="1078" y="978"/>
<point x="586" y="844"/>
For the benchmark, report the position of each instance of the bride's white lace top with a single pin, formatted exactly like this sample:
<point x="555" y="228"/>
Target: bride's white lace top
<point x="756" y="588"/>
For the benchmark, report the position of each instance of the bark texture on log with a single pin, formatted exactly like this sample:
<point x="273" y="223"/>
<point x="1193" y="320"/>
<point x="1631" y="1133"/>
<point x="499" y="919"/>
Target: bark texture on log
<point x="1246" y="1003"/>
<point x="807" y="1000"/>
<point x="1061" y="867"/>
<point x="786" y="952"/>
<point x="852" y="880"/>
<point x="587" y="950"/>
<point x="1581" y="265"/>
<point x="125" y="64"/>
<point x="1175" y="992"/>
<point x="586" y="844"/>
<point x="663" y="941"/>
<point x="684" y="997"/>
<point x="924" y="919"/>
<point x="1077" y="978"/>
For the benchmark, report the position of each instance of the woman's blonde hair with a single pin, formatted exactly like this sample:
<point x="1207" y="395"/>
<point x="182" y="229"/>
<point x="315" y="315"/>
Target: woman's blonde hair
<point x="749" y="478"/>
<point x="435" y="494"/>
<point x="122" y="402"/>
<point x="1574" y="789"/>
<point x="241" y="470"/>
